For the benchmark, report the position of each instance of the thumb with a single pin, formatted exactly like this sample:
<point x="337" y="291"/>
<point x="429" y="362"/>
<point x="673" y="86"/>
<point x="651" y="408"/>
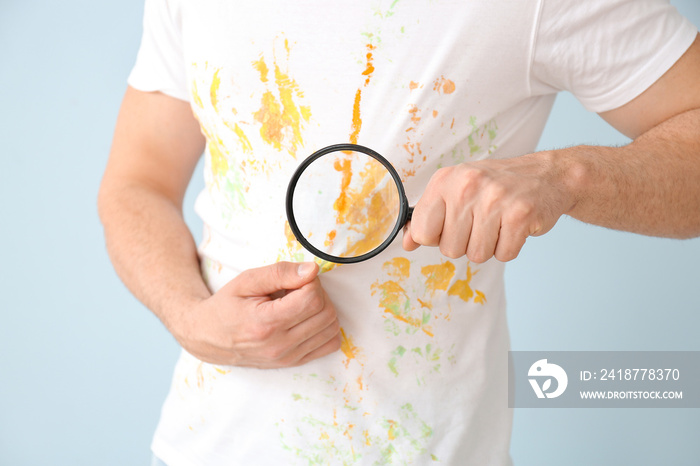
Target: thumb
<point x="407" y="241"/>
<point x="264" y="281"/>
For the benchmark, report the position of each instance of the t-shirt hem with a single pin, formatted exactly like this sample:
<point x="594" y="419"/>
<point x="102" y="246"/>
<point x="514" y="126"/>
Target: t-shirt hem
<point x="645" y="77"/>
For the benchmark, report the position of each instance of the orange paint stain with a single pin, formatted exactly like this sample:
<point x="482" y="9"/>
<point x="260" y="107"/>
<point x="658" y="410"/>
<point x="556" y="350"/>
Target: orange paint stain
<point x="412" y="321"/>
<point x="438" y="276"/>
<point x="391" y="433"/>
<point x="342" y="203"/>
<point x="462" y="289"/>
<point x="425" y="304"/>
<point x="398" y="267"/>
<point x="369" y="209"/>
<point x="356" y="118"/>
<point x="356" y="125"/>
<point x="413" y="85"/>
<point x="444" y="86"/>
<point x="435" y="113"/>
<point x="281" y="118"/>
<point x="347" y="347"/>
<point x="330" y="238"/>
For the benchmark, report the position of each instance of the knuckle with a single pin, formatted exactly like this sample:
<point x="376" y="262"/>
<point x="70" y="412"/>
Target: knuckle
<point x="421" y="236"/>
<point x="315" y="301"/>
<point x="263" y="332"/>
<point x="521" y="209"/>
<point x="275" y="352"/>
<point x="507" y="255"/>
<point x="451" y="252"/>
<point x="478" y="257"/>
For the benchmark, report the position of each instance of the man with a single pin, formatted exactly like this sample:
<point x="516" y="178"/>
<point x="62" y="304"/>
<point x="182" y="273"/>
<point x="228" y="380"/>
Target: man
<point x="400" y="359"/>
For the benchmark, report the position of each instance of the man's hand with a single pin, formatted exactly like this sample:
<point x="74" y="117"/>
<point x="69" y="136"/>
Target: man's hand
<point x="268" y="317"/>
<point x="271" y="316"/>
<point x="489" y="208"/>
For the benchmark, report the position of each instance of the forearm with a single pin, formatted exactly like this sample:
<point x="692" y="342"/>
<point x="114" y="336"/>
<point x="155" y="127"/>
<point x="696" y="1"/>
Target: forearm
<point x="651" y="186"/>
<point x="152" y="250"/>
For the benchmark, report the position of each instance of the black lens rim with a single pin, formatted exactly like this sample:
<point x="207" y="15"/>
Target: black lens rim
<point x="403" y="208"/>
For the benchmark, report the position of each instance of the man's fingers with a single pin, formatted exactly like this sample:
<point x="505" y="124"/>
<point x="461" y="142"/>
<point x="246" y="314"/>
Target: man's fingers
<point x="267" y="280"/>
<point x="427" y="221"/>
<point x="511" y="240"/>
<point x="407" y="241"/>
<point x="483" y="239"/>
<point x="330" y="346"/>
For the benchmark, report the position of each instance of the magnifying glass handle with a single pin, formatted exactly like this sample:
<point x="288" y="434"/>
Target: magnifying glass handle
<point x="410" y="214"/>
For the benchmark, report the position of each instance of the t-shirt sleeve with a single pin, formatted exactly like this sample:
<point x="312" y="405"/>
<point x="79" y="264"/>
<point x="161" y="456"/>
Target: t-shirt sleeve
<point x="160" y="61"/>
<point x="606" y="52"/>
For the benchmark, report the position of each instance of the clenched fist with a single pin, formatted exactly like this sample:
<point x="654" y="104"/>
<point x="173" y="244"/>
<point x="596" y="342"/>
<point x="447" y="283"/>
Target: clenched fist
<point x="489" y="208"/>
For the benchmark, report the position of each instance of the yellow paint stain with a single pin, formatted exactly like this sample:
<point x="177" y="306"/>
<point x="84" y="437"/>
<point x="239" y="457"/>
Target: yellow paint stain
<point x="293" y="251"/>
<point x="281" y="119"/>
<point x="398" y="267"/>
<point x="324" y="436"/>
<point x="365" y="434"/>
<point x="428" y="330"/>
<point x="194" y="91"/>
<point x="222" y="371"/>
<point x="214" y="90"/>
<point x="261" y="66"/>
<point x="462" y="289"/>
<point x="438" y="276"/>
<point x="391" y="433"/>
<point x="242" y="138"/>
<point x="218" y="160"/>
<point x="348" y="347"/>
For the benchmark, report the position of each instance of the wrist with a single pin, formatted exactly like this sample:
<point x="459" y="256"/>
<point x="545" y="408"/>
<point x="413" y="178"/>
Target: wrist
<point x="573" y="174"/>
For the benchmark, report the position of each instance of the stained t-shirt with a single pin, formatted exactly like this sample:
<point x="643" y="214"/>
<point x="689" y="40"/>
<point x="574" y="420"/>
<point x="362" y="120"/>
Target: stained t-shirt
<point x="421" y="377"/>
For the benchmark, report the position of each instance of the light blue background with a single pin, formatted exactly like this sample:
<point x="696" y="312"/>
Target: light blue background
<point x="84" y="367"/>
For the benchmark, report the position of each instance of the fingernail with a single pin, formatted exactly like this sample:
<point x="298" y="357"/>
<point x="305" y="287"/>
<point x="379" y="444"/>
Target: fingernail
<point x="305" y="268"/>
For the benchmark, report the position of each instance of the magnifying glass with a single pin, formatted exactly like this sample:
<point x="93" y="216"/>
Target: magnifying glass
<point x="346" y="203"/>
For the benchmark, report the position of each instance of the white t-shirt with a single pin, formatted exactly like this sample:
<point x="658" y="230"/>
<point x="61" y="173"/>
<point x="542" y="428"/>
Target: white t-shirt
<point x="422" y="374"/>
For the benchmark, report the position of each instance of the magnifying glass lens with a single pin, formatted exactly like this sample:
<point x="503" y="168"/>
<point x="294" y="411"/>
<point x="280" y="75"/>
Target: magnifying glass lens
<point x="346" y="204"/>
